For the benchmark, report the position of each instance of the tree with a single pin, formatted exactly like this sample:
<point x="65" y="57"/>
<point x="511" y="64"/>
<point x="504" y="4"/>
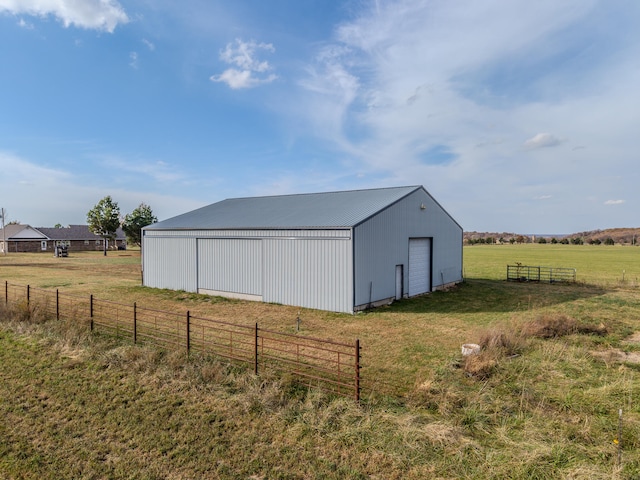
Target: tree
<point x="104" y="219"/>
<point x="135" y="221"/>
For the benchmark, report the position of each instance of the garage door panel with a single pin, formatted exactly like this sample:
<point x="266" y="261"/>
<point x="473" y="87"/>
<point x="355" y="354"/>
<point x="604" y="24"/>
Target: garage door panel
<point x="419" y="266"/>
<point x="230" y="265"/>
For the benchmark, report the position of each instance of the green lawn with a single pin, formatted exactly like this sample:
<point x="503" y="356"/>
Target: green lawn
<point x="595" y="264"/>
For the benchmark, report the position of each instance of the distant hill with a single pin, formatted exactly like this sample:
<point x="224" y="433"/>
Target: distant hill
<point x="610" y="236"/>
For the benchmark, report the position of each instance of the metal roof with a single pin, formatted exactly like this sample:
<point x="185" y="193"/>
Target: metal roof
<point x="310" y="210"/>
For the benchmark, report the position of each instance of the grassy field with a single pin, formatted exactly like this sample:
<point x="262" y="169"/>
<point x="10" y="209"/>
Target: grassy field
<point x="541" y="401"/>
<point x="595" y="264"/>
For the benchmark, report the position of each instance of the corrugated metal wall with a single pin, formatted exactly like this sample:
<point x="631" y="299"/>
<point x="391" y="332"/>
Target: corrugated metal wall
<point x="338" y="233"/>
<point x="309" y="273"/>
<point x="170" y="263"/>
<point x="308" y="268"/>
<point x="230" y="265"/>
<point x="382" y="242"/>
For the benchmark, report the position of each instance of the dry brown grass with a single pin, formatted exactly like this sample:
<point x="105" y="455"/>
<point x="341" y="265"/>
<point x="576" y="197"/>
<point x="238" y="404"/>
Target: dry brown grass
<point x="550" y="326"/>
<point x="482" y="365"/>
<point x="512" y="339"/>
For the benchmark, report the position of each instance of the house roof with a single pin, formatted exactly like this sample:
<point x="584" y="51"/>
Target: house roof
<point x="74" y="232"/>
<point x="311" y="210"/>
<point x="21" y="232"/>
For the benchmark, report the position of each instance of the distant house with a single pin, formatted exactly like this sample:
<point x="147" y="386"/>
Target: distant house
<point x="25" y="238"/>
<point x="22" y="238"/>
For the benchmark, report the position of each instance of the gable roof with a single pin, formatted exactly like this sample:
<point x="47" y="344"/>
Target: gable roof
<point x="21" y="232"/>
<point x="309" y="210"/>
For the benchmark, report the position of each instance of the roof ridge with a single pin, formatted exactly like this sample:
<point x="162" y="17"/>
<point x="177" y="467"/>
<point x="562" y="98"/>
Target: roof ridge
<point x="330" y="192"/>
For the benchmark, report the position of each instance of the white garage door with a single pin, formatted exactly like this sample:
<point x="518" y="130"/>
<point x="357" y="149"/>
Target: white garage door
<point x="419" y="266"/>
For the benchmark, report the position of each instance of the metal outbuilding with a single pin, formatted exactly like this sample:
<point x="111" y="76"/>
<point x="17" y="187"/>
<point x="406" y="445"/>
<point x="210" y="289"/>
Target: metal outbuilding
<point x="339" y="251"/>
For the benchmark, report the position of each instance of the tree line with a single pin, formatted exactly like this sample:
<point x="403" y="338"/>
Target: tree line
<point x="104" y="219"/>
<point x="522" y="239"/>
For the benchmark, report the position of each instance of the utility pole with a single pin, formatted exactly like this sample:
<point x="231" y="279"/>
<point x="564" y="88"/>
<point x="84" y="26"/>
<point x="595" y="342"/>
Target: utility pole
<point x="4" y="239"/>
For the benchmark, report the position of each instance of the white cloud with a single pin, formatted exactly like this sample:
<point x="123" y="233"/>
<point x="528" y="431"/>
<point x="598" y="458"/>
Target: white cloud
<point x="90" y="14"/>
<point x="478" y="79"/>
<point x="251" y="72"/>
<point x="23" y="24"/>
<point x="149" y="45"/>
<point x="133" y="59"/>
<point x="43" y="196"/>
<point x="542" y="140"/>
<point x="157" y="172"/>
<point x="614" y="202"/>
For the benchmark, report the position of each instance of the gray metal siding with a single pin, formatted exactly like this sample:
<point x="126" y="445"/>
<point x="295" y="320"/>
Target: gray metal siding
<point x="382" y="242"/>
<point x="310" y="268"/>
<point x="309" y="273"/>
<point x="170" y="263"/>
<point x="304" y="233"/>
<point x="230" y="265"/>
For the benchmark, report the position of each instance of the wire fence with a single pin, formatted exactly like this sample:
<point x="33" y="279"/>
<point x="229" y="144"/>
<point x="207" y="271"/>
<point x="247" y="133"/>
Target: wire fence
<point x="325" y="364"/>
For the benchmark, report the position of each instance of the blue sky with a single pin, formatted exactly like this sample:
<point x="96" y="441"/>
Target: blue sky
<point x="516" y="116"/>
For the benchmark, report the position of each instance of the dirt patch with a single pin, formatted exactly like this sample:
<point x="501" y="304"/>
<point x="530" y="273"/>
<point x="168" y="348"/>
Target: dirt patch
<point x="635" y="338"/>
<point x="615" y="355"/>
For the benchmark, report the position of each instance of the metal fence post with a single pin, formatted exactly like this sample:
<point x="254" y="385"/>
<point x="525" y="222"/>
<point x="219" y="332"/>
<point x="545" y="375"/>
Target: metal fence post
<point x="255" y="350"/>
<point x="91" y="310"/>
<point x="57" y="305"/>
<point x="188" y="332"/>
<point x="6" y="292"/>
<point x="135" y="323"/>
<point x="28" y="294"/>
<point x="357" y="392"/>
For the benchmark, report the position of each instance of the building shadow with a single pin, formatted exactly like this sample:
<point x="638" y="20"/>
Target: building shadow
<point x="485" y="295"/>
